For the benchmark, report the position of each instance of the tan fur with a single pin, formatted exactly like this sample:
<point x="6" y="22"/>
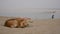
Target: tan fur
<point x="11" y="23"/>
<point x="18" y="22"/>
<point x="22" y="22"/>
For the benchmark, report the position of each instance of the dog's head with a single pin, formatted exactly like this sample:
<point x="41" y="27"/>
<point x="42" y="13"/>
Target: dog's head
<point x="28" y="20"/>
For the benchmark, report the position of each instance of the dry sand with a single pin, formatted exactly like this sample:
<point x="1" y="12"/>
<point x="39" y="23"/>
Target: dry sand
<point x="39" y="26"/>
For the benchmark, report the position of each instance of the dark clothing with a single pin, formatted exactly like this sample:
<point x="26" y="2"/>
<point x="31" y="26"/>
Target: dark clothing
<point x="52" y="16"/>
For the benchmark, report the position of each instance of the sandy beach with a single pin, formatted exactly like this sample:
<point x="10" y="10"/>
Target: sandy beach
<point x="39" y="26"/>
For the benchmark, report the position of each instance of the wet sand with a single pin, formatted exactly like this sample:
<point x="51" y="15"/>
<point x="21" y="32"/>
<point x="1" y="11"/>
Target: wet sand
<point x="39" y="26"/>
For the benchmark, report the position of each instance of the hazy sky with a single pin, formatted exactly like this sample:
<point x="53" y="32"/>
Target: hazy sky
<point x="18" y="8"/>
<point x="29" y="3"/>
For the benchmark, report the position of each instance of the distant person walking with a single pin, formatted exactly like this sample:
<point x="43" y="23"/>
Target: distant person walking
<point x="52" y="16"/>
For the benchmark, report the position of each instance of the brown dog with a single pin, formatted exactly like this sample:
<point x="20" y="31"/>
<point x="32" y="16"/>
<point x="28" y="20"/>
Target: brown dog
<point x="11" y="23"/>
<point x="18" y="22"/>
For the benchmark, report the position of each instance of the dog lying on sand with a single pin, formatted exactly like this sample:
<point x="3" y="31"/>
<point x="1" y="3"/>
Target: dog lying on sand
<point x="18" y="22"/>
